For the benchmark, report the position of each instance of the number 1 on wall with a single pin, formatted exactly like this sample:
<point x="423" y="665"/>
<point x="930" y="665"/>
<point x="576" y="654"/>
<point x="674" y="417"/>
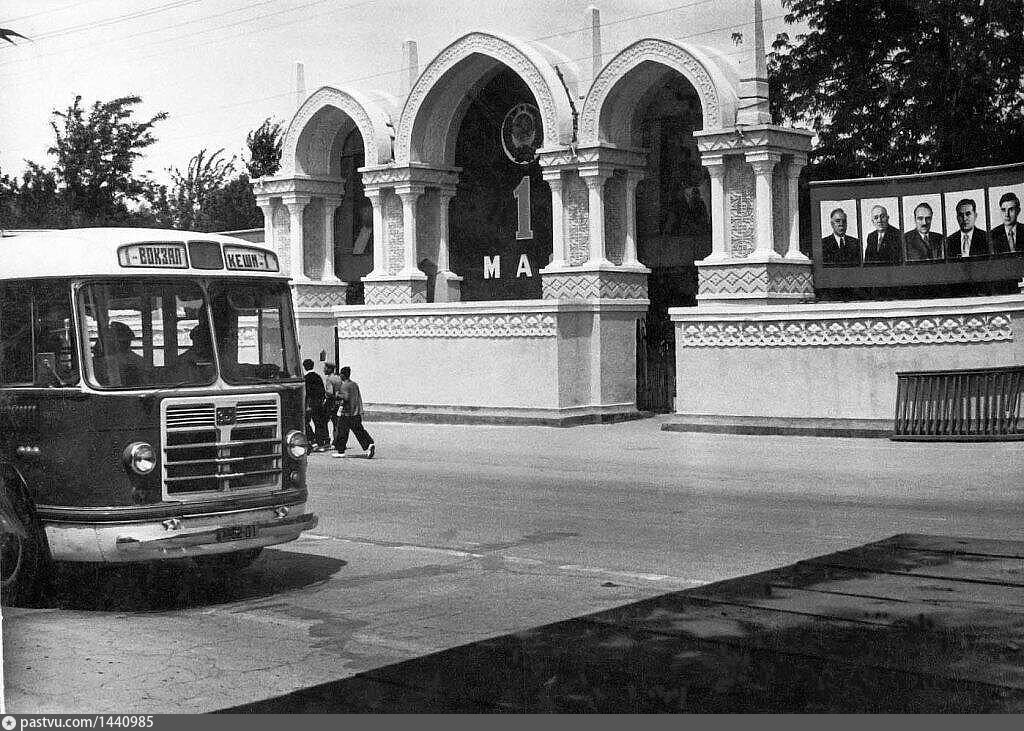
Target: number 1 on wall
<point x="522" y="196"/>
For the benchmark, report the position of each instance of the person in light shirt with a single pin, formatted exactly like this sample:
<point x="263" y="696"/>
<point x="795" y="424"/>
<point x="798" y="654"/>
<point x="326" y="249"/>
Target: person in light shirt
<point x="884" y="243"/>
<point x="968" y="241"/>
<point x="1008" y="237"/>
<point x="839" y="249"/>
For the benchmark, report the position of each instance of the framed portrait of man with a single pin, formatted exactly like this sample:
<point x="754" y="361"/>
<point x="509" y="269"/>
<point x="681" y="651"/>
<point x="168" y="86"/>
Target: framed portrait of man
<point x="966" y="224"/>
<point x="1006" y="234"/>
<point x="883" y="240"/>
<point x="923" y="231"/>
<point x="840" y="233"/>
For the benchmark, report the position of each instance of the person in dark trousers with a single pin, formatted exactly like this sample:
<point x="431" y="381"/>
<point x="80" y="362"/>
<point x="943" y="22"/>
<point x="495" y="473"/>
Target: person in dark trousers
<point x="316" y="414"/>
<point x="350" y="416"/>
<point x="332" y="382"/>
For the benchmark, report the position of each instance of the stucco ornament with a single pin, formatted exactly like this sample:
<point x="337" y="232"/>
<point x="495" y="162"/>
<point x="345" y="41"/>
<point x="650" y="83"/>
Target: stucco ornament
<point x="717" y="97"/>
<point x="514" y="325"/>
<point x="424" y="119"/>
<point x="859" y="331"/>
<point x="372" y="121"/>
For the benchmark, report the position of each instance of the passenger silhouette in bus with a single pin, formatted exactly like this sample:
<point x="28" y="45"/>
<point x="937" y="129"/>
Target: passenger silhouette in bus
<point x="117" y="364"/>
<point x="196" y="361"/>
<point x="55" y="364"/>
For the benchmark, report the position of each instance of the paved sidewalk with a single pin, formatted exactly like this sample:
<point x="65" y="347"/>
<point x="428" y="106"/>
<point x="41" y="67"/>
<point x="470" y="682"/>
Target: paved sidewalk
<point x="907" y="625"/>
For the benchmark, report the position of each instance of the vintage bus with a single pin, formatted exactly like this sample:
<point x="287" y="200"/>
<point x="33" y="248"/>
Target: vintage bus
<point x="151" y="402"/>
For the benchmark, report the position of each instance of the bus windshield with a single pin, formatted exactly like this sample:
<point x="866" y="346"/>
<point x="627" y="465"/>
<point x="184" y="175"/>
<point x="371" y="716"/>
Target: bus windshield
<point x="255" y="337"/>
<point x="157" y="334"/>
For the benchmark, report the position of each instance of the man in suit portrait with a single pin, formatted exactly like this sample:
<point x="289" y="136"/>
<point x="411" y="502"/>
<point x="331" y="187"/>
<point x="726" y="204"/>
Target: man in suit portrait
<point x="922" y="243"/>
<point x="884" y="243"/>
<point x="840" y="249"/>
<point x="968" y="241"/>
<point x="1008" y="238"/>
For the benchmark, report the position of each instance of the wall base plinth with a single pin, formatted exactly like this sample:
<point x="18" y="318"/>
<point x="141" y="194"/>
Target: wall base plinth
<point x="754" y="281"/>
<point x="319" y="295"/>
<point x="564" y="417"/>
<point x="828" y="368"/>
<point x="608" y="282"/>
<point x="394" y="290"/>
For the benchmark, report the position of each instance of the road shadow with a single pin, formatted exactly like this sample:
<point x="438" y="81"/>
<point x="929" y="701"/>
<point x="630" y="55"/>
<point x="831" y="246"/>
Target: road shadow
<point x="787" y="640"/>
<point x="172" y="585"/>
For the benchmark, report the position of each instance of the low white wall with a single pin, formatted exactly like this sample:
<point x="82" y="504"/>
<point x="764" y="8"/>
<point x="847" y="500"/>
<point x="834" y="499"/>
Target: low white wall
<point x="315" y="334"/>
<point x="544" y="356"/>
<point x="836" y="360"/>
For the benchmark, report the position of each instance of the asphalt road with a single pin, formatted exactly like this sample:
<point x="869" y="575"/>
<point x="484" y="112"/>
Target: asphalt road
<point x="457" y="533"/>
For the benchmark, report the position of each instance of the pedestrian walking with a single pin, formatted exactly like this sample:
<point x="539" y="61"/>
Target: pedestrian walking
<point x="350" y="416"/>
<point x="316" y="414"/>
<point x="332" y="384"/>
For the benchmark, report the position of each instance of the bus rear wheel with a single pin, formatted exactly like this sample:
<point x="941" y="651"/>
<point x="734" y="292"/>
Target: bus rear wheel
<point x="222" y="563"/>
<point x="22" y="563"/>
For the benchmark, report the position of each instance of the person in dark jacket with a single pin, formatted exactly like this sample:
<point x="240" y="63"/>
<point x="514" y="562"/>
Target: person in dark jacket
<point x="884" y="243"/>
<point x="922" y="244"/>
<point x="838" y="249"/>
<point x="316" y="414"/>
<point x="1008" y="237"/>
<point x="969" y="240"/>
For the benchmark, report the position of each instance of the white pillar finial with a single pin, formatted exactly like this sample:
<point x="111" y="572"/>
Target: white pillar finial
<point x="300" y="84"/>
<point x="410" y="58"/>
<point x="595" y="36"/>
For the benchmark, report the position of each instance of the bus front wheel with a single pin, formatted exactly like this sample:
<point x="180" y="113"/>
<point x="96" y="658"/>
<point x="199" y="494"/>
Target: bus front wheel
<point x="22" y="556"/>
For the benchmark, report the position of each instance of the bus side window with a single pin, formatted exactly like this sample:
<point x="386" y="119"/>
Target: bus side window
<point x="55" y="362"/>
<point x="15" y="334"/>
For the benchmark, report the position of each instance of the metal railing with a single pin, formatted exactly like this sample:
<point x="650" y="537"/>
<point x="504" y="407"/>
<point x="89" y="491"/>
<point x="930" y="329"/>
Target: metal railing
<point x="961" y="405"/>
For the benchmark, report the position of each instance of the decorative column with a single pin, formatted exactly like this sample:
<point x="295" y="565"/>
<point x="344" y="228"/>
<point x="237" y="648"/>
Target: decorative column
<point x="745" y="266"/>
<point x="796" y="164"/>
<point x="379" y="234"/>
<point x="409" y="194"/>
<point x="559" y="257"/>
<point x="764" y="164"/>
<point x="715" y="165"/>
<point x="268" y="224"/>
<point x="629" y="259"/>
<point x="296" y="205"/>
<point x="328" y="275"/>
<point x="446" y="282"/>
<point x="595" y="178"/>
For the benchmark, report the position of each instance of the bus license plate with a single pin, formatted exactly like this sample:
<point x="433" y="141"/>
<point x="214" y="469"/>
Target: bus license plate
<point x="237" y="533"/>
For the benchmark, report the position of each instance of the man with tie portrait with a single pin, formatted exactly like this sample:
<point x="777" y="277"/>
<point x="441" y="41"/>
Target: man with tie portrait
<point x="968" y="241"/>
<point x="838" y="249"/>
<point x="921" y="243"/>
<point x="1008" y="237"/>
<point x="884" y="243"/>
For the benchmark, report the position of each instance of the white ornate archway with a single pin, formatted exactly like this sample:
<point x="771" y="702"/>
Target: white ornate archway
<point x="607" y="110"/>
<point x="308" y="142"/>
<point x="433" y="109"/>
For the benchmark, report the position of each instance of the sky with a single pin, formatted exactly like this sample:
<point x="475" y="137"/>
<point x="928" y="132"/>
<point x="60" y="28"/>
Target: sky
<point x="220" y="67"/>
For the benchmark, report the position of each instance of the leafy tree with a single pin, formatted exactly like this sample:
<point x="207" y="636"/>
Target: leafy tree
<point x="191" y="191"/>
<point x="903" y="86"/>
<point x="264" y="145"/>
<point x="96" y="152"/>
<point x="233" y="207"/>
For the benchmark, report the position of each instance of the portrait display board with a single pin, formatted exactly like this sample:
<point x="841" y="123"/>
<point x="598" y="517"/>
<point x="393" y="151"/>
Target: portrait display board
<point x="936" y="228"/>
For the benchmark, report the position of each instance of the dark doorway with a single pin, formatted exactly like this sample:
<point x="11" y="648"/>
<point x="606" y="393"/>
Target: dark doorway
<point x="673" y="227"/>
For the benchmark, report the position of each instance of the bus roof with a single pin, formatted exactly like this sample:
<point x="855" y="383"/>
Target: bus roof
<point x="86" y="252"/>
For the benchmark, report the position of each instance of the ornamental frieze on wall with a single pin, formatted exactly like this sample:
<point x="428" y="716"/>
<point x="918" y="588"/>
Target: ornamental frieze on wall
<point x="594" y="286"/>
<point x="738" y="279"/>
<point x="537" y="325"/>
<point x="974" y="328"/>
<point x="319" y="295"/>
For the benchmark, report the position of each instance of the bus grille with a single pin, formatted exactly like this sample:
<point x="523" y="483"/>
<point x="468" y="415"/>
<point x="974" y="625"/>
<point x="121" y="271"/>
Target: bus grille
<point x="221" y="444"/>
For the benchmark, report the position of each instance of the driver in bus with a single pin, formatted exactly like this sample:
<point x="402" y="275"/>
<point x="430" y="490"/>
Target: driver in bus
<point x="200" y="355"/>
<point x="117" y="364"/>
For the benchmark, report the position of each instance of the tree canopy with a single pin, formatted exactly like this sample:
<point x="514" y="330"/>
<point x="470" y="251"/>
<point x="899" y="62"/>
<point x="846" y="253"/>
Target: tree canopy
<point x="903" y="86"/>
<point x="264" y="145"/>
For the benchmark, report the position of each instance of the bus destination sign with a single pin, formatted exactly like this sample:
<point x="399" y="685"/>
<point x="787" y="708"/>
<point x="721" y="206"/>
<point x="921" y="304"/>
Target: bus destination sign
<point x="241" y="258"/>
<point x="159" y="256"/>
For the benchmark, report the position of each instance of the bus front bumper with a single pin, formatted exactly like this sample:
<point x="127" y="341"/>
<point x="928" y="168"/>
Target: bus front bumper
<point x="175" y="538"/>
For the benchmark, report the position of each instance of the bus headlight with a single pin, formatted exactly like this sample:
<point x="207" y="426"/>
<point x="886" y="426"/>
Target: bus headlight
<point x="140" y="458"/>
<point x="296" y="444"/>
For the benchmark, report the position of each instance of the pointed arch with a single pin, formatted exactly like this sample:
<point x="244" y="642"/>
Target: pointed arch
<point x="608" y="123"/>
<point x="310" y="138"/>
<point x="436" y="103"/>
